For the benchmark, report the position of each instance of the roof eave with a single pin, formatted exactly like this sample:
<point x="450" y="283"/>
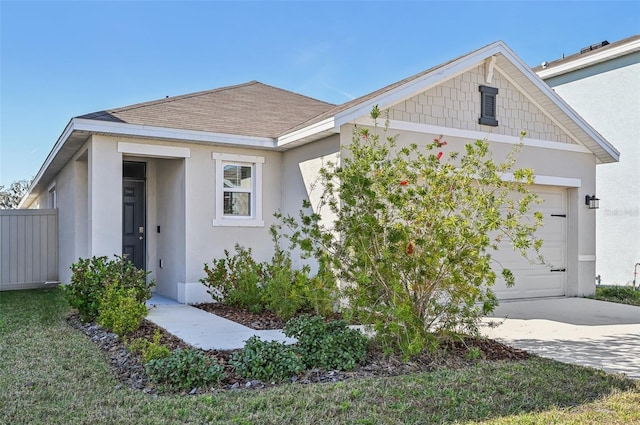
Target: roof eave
<point x="30" y="196"/>
<point x="82" y="125"/>
<point x="589" y="60"/>
<point x="611" y="154"/>
<point x="290" y="139"/>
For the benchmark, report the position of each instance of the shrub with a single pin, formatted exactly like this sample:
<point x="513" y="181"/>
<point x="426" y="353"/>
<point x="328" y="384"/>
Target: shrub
<point x="288" y="291"/>
<point x="87" y="285"/>
<point x="150" y="350"/>
<point x="413" y="233"/>
<point x="236" y="280"/>
<point x="619" y="294"/>
<point x="184" y="370"/>
<point x="328" y="345"/>
<point x="119" y="310"/>
<point x="267" y="361"/>
<point x="89" y="280"/>
<point x="239" y="280"/>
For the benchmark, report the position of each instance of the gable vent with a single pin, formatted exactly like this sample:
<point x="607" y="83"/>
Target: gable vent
<point x="488" y="106"/>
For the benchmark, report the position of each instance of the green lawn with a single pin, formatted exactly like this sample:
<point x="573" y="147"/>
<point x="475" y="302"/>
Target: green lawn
<point x="53" y="374"/>
<point x="618" y="294"/>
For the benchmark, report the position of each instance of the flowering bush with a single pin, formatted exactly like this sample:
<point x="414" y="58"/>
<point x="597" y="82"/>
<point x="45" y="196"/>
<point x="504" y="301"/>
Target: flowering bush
<point x="414" y="232"/>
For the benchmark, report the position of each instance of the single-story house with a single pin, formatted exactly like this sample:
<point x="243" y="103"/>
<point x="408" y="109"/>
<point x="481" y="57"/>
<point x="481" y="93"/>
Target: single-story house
<point x="602" y="83"/>
<point x="174" y="182"/>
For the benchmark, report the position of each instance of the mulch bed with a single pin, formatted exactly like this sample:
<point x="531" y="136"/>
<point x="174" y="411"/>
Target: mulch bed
<point x="264" y="320"/>
<point x="130" y="371"/>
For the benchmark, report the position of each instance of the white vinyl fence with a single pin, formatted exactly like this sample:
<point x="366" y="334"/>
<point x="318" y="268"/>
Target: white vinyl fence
<point x="28" y="249"/>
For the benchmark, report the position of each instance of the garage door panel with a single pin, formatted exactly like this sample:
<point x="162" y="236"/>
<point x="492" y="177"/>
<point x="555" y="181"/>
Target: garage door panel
<point x="534" y="279"/>
<point x="532" y="285"/>
<point x="553" y="253"/>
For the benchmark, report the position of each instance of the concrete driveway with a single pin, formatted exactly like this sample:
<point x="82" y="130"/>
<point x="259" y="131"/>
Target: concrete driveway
<point x="587" y="332"/>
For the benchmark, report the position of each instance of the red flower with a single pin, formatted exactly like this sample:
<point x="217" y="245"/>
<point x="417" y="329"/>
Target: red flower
<point x="439" y="155"/>
<point x="438" y="141"/>
<point x="403" y="183"/>
<point x="410" y="248"/>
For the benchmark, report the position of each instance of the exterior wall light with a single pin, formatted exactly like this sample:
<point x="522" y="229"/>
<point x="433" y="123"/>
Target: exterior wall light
<point x="592" y="202"/>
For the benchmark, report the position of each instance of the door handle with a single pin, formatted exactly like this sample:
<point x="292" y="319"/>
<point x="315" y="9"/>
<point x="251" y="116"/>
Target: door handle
<point x="559" y="270"/>
<point x="140" y="237"/>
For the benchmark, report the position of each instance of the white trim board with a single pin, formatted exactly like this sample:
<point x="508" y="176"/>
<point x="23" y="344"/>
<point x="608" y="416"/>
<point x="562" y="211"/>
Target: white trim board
<point x="155" y="151"/>
<point x="549" y="180"/>
<point x="476" y="135"/>
<point x="324" y="125"/>
<point x="137" y="130"/>
<point x="587" y="257"/>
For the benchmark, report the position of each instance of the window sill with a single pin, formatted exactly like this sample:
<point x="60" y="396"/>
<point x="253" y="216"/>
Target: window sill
<point x="231" y="222"/>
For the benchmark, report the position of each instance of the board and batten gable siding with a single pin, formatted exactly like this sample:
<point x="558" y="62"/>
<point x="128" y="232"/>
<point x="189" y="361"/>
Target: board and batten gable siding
<point x="456" y="104"/>
<point x="29" y="246"/>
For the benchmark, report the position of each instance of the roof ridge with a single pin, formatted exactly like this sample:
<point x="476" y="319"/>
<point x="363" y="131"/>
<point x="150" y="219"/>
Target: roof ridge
<point x="297" y="94"/>
<point x="170" y="99"/>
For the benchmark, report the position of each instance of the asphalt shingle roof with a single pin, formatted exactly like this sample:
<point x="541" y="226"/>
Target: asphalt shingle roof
<point x="250" y="109"/>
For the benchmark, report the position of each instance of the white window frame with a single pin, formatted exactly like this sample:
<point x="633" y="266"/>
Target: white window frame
<point x="255" y="218"/>
<point x="52" y="201"/>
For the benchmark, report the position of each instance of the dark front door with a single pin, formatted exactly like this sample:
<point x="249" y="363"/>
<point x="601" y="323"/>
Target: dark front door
<point x="133" y="222"/>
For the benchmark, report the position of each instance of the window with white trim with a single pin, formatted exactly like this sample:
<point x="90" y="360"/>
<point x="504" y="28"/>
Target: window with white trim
<point x="238" y="190"/>
<point x="53" y="197"/>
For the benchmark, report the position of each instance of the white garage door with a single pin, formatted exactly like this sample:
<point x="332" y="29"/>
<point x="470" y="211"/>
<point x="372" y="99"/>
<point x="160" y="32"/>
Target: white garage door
<point x="539" y="280"/>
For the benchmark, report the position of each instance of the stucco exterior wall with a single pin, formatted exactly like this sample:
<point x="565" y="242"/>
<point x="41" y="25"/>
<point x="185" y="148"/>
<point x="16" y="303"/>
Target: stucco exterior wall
<point x="607" y="95"/>
<point x="181" y="199"/>
<point x="205" y="241"/>
<point x="105" y="196"/>
<point x="456" y="104"/>
<point x="169" y="214"/>
<point x="71" y="190"/>
<point x="300" y="172"/>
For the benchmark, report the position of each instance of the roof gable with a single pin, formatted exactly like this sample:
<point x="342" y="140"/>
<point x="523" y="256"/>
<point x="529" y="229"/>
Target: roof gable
<point x="495" y="56"/>
<point x="455" y="103"/>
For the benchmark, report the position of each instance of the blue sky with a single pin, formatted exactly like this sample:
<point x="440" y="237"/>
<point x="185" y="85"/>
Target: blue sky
<point x="63" y="59"/>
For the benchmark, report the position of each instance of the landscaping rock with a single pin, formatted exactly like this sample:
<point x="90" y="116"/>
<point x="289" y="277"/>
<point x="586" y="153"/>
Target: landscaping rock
<point x="130" y="371"/>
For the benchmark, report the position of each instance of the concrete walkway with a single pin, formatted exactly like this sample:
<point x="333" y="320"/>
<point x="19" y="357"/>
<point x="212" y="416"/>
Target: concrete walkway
<point x="202" y="329"/>
<point x="587" y="332"/>
<point x="573" y="330"/>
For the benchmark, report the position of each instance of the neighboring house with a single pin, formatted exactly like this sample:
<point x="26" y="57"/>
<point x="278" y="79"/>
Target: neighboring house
<point x="602" y="83"/>
<point x="175" y="181"/>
